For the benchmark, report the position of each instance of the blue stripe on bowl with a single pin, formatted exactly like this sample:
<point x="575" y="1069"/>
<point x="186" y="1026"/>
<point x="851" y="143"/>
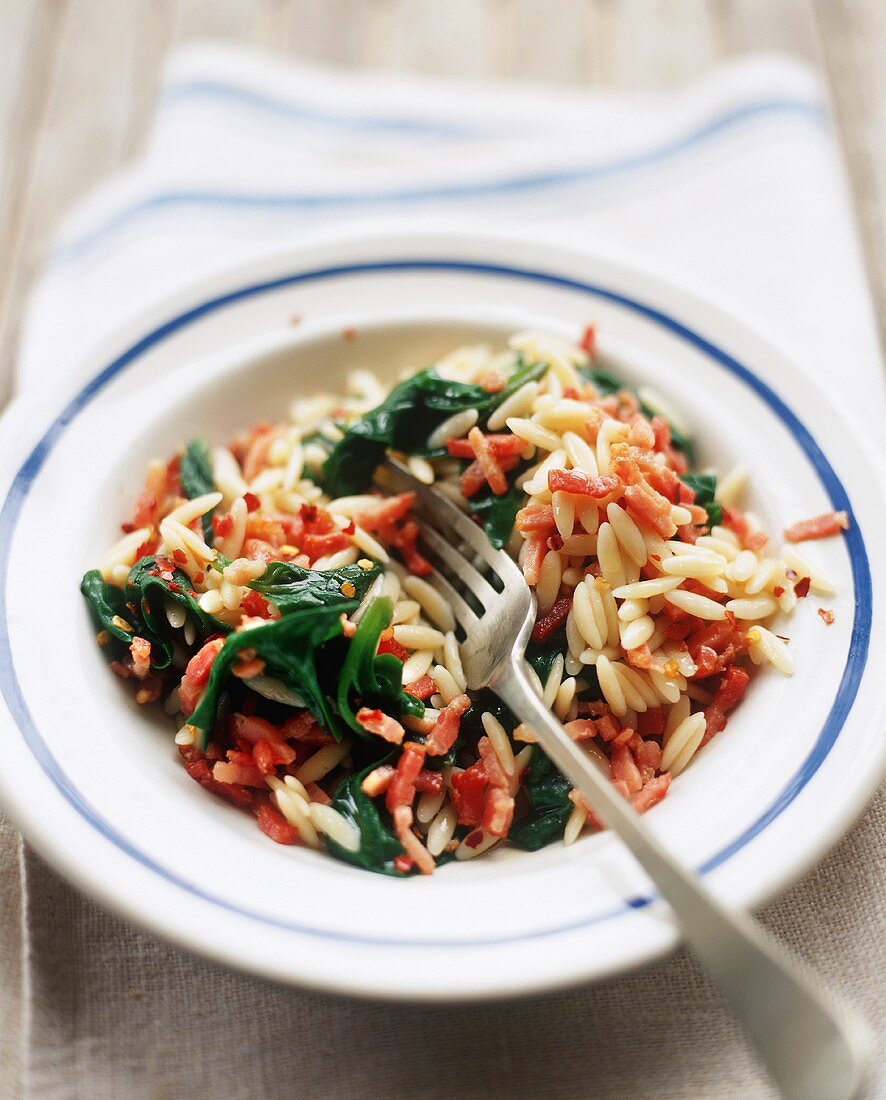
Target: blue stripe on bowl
<point x="861" y="574"/>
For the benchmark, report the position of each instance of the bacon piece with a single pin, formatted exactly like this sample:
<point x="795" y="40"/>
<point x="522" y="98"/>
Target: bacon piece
<point x="651" y="793"/>
<point x="535" y="552"/>
<point x="388" y="511"/>
<point x="492" y="470"/>
<point x="140" y="650"/>
<point x="577" y="481"/>
<point x="401" y="790"/>
<point x="412" y="845"/>
<point x="196" y="675"/>
<point x="405" y="541"/>
<point x="303" y="727"/>
<point x="503" y="446"/>
<point x="818" y="527"/>
<point x="491" y="763"/>
<point x="429" y="782"/>
<point x="256" y="457"/>
<point x="377" y="781"/>
<point x="255" y="730"/>
<point x="242" y="775"/>
<point x="739" y="523"/>
<point x="468" y="793"/>
<point x="552" y="620"/>
<point x="537" y="517"/>
<point x="588" y="341"/>
<point x="651" y="508"/>
<point x="273" y="824"/>
<point x="445" y="730"/>
<point x="423" y="688"/>
<point x="624" y="768"/>
<point x="581" y="729"/>
<point x="652" y="723"/>
<point x="381" y="724"/>
<point x="256" y="606"/>
<point x="472" y="480"/>
<point x="198" y="768"/>
<point x="498" y="812"/>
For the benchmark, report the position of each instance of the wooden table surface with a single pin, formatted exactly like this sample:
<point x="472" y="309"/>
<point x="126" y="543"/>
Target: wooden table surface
<point x="78" y="78"/>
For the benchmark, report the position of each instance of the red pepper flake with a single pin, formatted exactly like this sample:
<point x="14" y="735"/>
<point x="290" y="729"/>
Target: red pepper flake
<point x="403" y="864"/>
<point x="252" y="502"/>
<point x="474" y="839"/>
<point x="588" y="341"/>
<point x="349" y="334"/>
<point x="552" y="620"/>
<point x="180" y="556"/>
<point x="127" y="528"/>
<point x="200" y="577"/>
<point x="801" y="588"/>
<point x="308" y="513"/>
<point x="827" y="616"/>
<point x="555" y="542"/>
<point x="778" y="590"/>
<point x="349" y="529"/>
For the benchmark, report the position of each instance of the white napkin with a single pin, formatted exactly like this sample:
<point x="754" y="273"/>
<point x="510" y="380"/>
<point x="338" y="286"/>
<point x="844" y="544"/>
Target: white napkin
<point x="732" y="186"/>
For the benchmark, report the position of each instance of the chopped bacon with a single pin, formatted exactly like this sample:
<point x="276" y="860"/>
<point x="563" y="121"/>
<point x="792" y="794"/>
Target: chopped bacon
<point x="256" y="457"/>
<point x="445" y="730"/>
<point x="401" y="790"/>
<point x="242" y="775"/>
<point x="491" y="763"/>
<point x="535" y="552"/>
<point x="581" y="729"/>
<point x="503" y="446"/>
<point x="423" y="688"/>
<point x="651" y="793"/>
<point x="377" y="781"/>
<point x="740" y="524"/>
<point x="304" y="727"/>
<point x="818" y="527"/>
<point x="641" y="434"/>
<point x="198" y="768"/>
<point x="551" y="621"/>
<point x="490" y="465"/>
<point x="472" y="480"/>
<point x="273" y="824"/>
<point x="498" y="812"/>
<point x="647" y="755"/>
<point x="537" y="517"/>
<point x="651" y="508"/>
<point x="388" y="511"/>
<point x="255" y="730"/>
<point x="732" y="687"/>
<point x="256" y="606"/>
<point x="390" y="644"/>
<point x="258" y="550"/>
<point x="652" y="723"/>
<point x="624" y="768"/>
<point x="429" y="782"/>
<point x="493" y="381"/>
<point x="405" y="540"/>
<point x="577" y="481"/>
<point x="412" y="845"/>
<point x="196" y="675"/>
<point x="468" y="792"/>
<point x="588" y="342"/>
<point x="223" y="525"/>
<point x="403" y="864"/>
<point x="318" y="546"/>
<point x="140" y="650"/>
<point x="381" y="724"/>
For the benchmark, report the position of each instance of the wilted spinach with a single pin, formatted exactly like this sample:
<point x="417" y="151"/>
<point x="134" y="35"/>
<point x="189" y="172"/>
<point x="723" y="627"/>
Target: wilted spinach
<point x="373" y="679"/>
<point x="498" y="513"/>
<point x="291" y="588"/>
<point x="405" y="420"/>
<point x="378" y="845"/>
<point x="705" y="489"/>
<point x="196" y="478"/>
<point x="549" y="802"/>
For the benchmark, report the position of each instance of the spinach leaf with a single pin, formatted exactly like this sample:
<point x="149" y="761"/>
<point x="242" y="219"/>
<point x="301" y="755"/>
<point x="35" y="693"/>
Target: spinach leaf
<point x="378" y="844"/>
<point x="541" y="655"/>
<point x="405" y="420"/>
<point x="107" y="604"/>
<point x="291" y="588"/>
<point x="374" y="679"/>
<point x="498" y="513"/>
<point x="196" y="478"/>
<point x="146" y="593"/>
<point x="291" y="650"/>
<point x="705" y="488"/>
<point x="549" y="803"/>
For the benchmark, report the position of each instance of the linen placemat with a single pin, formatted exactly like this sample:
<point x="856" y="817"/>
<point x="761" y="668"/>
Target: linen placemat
<point x="732" y="186"/>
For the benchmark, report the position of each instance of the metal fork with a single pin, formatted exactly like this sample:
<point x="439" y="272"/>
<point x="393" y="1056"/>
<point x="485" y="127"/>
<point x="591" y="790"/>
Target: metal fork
<point x="814" y="1047"/>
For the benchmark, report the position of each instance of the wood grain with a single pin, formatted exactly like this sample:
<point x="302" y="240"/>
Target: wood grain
<point x="78" y="79"/>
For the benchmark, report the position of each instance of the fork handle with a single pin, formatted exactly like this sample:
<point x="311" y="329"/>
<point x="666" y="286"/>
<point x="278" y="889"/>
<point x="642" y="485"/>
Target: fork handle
<point x="814" y="1048"/>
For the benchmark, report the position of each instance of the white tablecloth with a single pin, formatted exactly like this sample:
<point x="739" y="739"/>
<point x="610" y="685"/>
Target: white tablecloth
<point x="732" y="186"/>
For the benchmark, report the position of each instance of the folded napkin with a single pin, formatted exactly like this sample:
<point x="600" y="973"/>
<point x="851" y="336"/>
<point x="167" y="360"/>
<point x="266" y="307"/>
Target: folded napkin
<point x="732" y="186"/>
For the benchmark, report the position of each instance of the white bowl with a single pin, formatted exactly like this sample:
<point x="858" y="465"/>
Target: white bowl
<point x="94" y="781"/>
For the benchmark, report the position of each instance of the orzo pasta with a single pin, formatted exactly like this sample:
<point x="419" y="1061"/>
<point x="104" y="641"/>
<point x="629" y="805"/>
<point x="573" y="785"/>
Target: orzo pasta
<point x="266" y="594"/>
